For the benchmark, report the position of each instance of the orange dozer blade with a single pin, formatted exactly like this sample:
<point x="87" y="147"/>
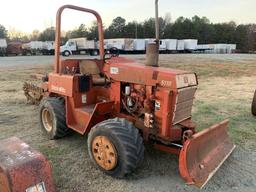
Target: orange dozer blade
<point x="203" y="154"/>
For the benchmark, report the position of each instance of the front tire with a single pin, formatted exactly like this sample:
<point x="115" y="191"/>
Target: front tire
<point x="254" y="105"/>
<point x="53" y="117"/>
<point x="116" y="147"/>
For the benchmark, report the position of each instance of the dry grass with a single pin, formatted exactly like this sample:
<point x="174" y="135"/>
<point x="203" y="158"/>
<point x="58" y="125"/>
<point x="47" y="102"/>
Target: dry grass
<point x="213" y="65"/>
<point x="221" y="98"/>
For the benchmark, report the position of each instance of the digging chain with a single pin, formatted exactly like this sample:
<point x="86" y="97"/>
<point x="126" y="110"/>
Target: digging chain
<point x="33" y="93"/>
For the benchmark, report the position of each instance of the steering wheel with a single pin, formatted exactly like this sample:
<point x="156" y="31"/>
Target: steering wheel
<point x="113" y="52"/>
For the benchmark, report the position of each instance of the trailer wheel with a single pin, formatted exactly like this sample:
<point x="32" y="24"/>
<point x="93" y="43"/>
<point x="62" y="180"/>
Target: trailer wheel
<point x="116" y="147"/>
<point x="254" y="104"/>
<point x="53" y="117"/>
<point x="94" y="53"/>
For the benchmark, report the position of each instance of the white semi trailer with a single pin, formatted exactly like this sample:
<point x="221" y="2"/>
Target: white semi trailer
<point x="190" y="45"/>
<point x="117" y="44"/>
<point x="32" y="48"/>
<point x="139" y="45"/>
<point x="38" y="48"/>
<point x="222" y="48"/>
<point x="48" y="48"/>
<point x="180" y="46"/>
<point x="126" y="45"/>
<point x="79" y="46"/>
<point x="171" y="45"/>
<point x="3" y="46"/>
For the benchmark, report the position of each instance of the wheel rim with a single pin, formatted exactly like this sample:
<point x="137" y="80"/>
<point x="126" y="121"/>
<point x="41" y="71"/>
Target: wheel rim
<point x="66" y="53"/>
<point x="104" y="152"/>
<point x="47" y="119"/>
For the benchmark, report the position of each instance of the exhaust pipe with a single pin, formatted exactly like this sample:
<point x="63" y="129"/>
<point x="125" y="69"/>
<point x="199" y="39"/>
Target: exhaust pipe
<point x="157" y="22"/>
<point x="152" y="49"/>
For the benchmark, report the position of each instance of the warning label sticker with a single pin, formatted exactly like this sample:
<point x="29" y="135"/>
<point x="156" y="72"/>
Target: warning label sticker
<point x="114" y="70"/>
<point x="40" y="187"/>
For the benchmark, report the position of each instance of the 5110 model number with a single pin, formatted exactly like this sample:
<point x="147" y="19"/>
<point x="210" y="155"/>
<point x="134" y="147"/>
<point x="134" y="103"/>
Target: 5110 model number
<point x="166" y="83"/>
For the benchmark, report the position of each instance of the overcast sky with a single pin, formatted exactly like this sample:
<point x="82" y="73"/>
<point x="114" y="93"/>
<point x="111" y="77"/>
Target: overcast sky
<point x="27" y="15"/>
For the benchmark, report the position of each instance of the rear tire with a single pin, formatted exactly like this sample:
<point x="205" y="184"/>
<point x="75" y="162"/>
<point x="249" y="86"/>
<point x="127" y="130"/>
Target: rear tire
<point x="66" y="54"/>
<point x="126" y="147"/>
<point x="254" y="104"/>
<point x="53" y="117"/>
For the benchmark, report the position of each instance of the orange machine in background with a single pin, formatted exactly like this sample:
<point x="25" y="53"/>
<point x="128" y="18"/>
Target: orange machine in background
<point x="23" y="169"/>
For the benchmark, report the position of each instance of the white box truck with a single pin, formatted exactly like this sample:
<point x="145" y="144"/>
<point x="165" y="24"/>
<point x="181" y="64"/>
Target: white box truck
<point x="162" y="46"/>
<point x="79" y="46"/>
<point x="126" y="45"/>
<point x="222" y="48"/>
<point x="171" y="45"/>
<point x="190" y="45"/>
<point x="48" y="48"/>
<point x="32" y="48"/>
<point x="139" y="45"/>
<point x="3" y="46"/>
<point x="231" y="48"/>
<point x="114" y="43"/>
<point x="180" y="45"/>
<point x="122" y="44"/>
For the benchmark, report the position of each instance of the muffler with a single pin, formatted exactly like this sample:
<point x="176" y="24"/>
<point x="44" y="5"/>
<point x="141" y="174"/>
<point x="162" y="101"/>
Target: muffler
<point x="152" y="49"/>
<point x="152" y="56"/>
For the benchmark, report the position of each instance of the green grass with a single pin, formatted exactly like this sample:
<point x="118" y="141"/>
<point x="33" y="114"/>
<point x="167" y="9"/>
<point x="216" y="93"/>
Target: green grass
<point x="65" y="154"/>
<point x="242" y="127"/>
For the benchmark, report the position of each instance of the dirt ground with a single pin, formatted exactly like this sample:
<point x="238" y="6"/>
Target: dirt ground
<point x="227" y="83"/>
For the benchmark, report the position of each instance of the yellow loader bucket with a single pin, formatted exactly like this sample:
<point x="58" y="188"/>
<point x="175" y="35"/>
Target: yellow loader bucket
<point x="204" y="153"/>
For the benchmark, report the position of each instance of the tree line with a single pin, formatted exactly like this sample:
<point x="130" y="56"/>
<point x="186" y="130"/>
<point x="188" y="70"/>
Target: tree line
<point x="201" y="28"/>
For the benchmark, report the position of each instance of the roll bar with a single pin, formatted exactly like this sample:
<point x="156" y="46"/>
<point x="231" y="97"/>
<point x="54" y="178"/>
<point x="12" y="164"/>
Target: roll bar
<point x="58" y="32"/>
